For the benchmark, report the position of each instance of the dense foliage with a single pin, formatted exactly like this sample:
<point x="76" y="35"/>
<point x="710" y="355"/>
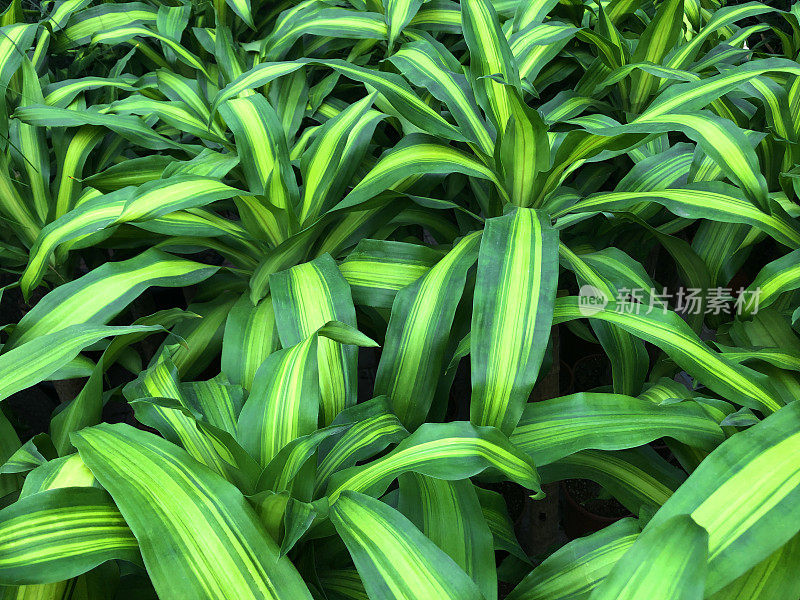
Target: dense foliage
<point x="216" y="212"/>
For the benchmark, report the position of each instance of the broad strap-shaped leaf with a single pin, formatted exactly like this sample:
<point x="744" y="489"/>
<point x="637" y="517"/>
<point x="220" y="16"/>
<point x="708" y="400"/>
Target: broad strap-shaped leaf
<point x="131" y="32"/>
<point x="9" y="444"/>
<point x="715" y="202"/>
<point x="415" y="155"/>
<point x="665" y="563"/>
<point x="61" y="93"/>
<point x="771" y="579"/>
<point x="338" y="22"/>
<point x="449" y="451"/>
<point x="57" y="534"/>
<point x="428" y="64"/>
<point x="574" y="570"/>
<point x="497" y="517"/>
<point x="670" y="333"/>
<point x="438" y="15"/>
<point x="524" y="150"/>
<point x="203" y="336"/>
<point x="260" y="75"/>
<point x="34" y="361"/>
<point x="401" y="98"/>
<point x="693" y="95"/>
<point x="342" y="584"/>
<point x="209" y="445"/>
<point x="32" y="145"/>
<point x="102" y="293"/>
<point x="284" y="517"/>
<point x="284" y="401"/>
<point x="532" y="12"/>
<point x="262" y="149"/>
<point x="335" y="155"/>
<point x="65" y="472"/>
<point x="719" y="138"/>
<point x="377" y="269"/>
<point x="217" y="401"/>
<point x="149" y="201"/>
<point x="639" y="478"/>
<point x="242" y="8"/>
<point x="14" y="209"/>
<point x="81" y="144"/>
<point x="398" y="14"/>
<point x="682" y="55"/>
<point x="127" y="126"/>
<point x="536" y="47"/>
<point x="283" y="471"/>
<point x="83" y="24"/>
<point x="33" y="453"/>
<point x="512" y="314"/>
<point x="418" y="331"/>
<point x="450" y="515"/>
<point x="371" y="427"/>
<point x="552" y="429"/>
<point x="84" y="410"/>
<point x="306" y="297"/>
<point x="174" y="114"/>
<point x="775" y="278"/>
<point x="250" y="336"/>
<point x="658" y="38"/>
<point x="197" y="533"/>
<point x="627" y="353"/>
<point x="15" y="40"/>
<point x="395" y="560"/>
<point x="490" y="55"/>
<point x="743" y="494"/>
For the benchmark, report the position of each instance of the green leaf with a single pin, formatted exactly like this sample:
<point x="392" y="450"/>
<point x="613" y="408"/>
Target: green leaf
<point x="742" y="495"/>
<point x="429" y="65"/>
<point x="664" y="563"/>
<point x="552" y="429"/>
<point x="333" y="158"/>
<point x="261" y="145"/>
<point x="448" y="451"/>
<point x="371" y="428"/>
<point x="394" y="559"/>
<point x="658" y="38"/>
<point x="377" y="269"/>
<point x="771" y="579"/>
<point x="515" y="289"/>
<point x="305" y="298"/>
<point x="574" y="570"/>
<point x="418" y="331"/>
<point x="284" y="401"/>
<point x="250" y="336"/>
<point x="57" y="534"/>
<point x="101" y="294"/>
<point x="524" y="150"/>
<point x="34" y="361"/>
<point x="150" y="201"/>
<point x="639" y="478"/>
<point x="490" y="55"/>
<point x="670" y="333"/>
<point x="449" y="514"/>
<point x="197" y="533"/>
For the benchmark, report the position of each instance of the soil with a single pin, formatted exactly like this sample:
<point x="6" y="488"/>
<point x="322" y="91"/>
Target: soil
<point x="586" y="492"/>
<point x="591" y="371"/>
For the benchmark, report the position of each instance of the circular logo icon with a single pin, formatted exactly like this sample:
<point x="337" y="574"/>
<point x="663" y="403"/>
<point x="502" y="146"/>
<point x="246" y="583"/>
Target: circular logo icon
<point x="591" y="300"/>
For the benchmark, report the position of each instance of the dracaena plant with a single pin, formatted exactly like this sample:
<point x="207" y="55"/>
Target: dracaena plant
<point x="436" y="179"/>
